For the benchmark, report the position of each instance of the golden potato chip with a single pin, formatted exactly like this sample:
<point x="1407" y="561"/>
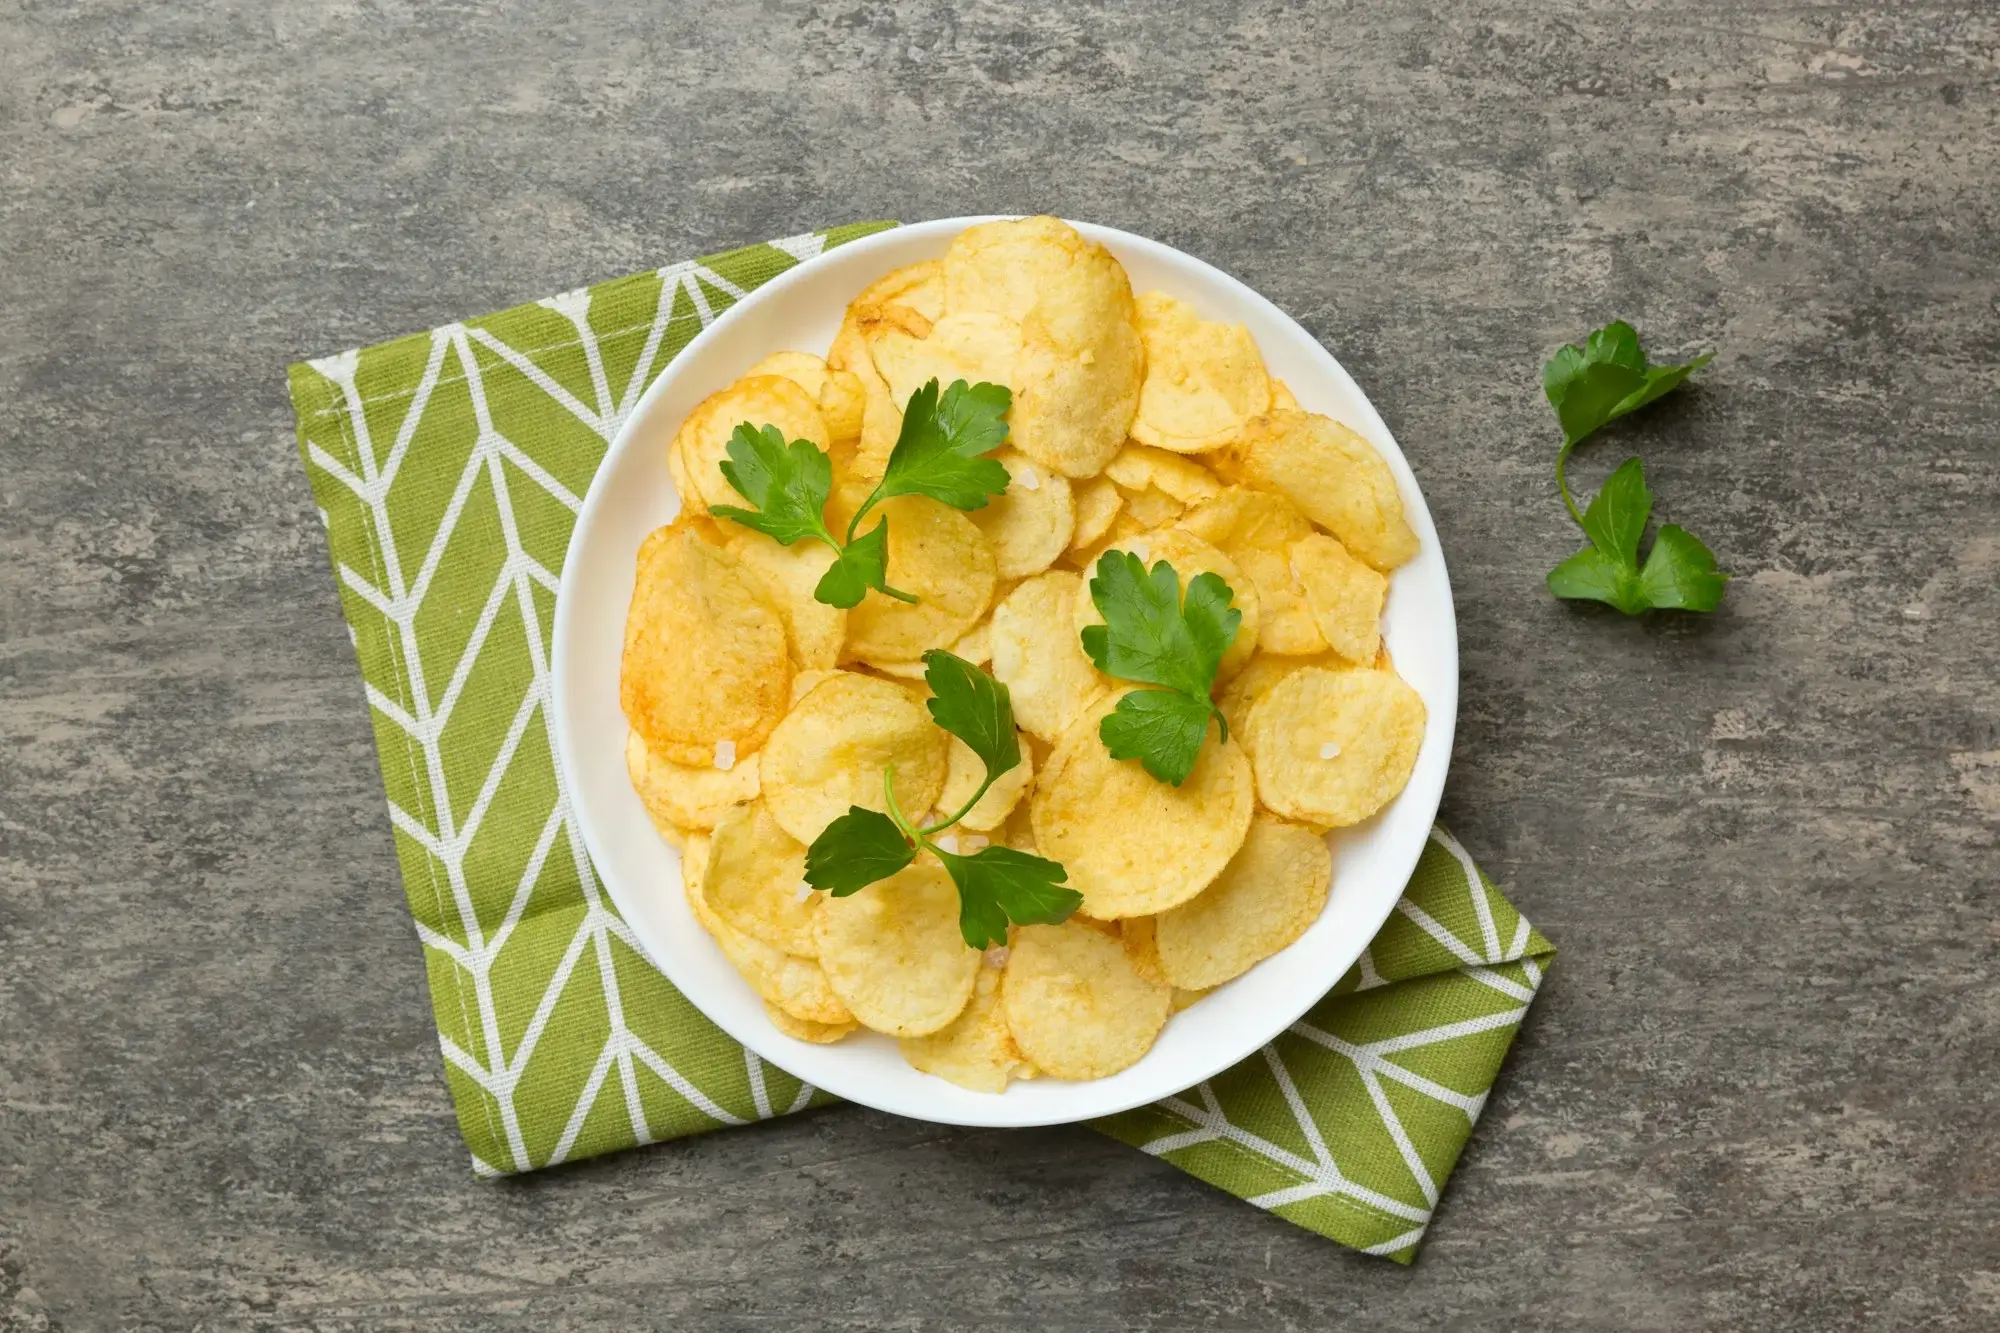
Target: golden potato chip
<point x="1085" y="561"/>
<point x="804" y="369"/>
<point x="686" y="796"/>
<point x="703" y="439"/>
<point x="1185" y="999"/>
<point x="1004" y="268"/>
<point x="789" y="574"/>
<point x="963" y="773"/>
<point x="1075" y="1005"/>
<point x="843" y="404"/>
<point x="1334" y="747"/>
<point x="796" y="985"/>
<point x="1335" y="477"/>
<point x="1137" y="466"/>
<point x="802" y="684"/>
<point x="1031" y="522"/>
<point x="968" y="346"/>
<point x="975" y="1050"/>
<point x="1134" y="845"/>
<point x="938" y="556"/>
<point x="1136" y="934"/>
<point x="1097" y="504"/>
<point x="1203" y="379"/>
<point x="977" y="645"/>
<point x="705" y="658"/>
<point x="820" y="1034"/>
<point x="1281" y="397"/>
<point x="1153" y="508"/>
<point x="1256" y="529"/>
<point x="1271" y="890"/>
<point x="1191" y="557"/>
<point x="830" y="752"/>
<point x="1263" y="671"/>
<point x="1079" y="369"/>
<point x="865" y="324"/>
<point x="919" y="286"/>
<point x="1019" y="830"/>
<point x="1345" y="595"/>
<point x="893" y="952"/>
<point x="1037" y="657"/>
<point x="757" y="880"/>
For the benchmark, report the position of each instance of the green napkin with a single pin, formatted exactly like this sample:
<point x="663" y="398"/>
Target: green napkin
<point x="449" y="467"/>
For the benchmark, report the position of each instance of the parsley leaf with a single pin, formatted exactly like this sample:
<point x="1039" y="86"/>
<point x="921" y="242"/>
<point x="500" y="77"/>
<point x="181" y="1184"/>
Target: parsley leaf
<point x="1152" y="635"/>
<point x="1000" y="884"/>
<point x="995" y="885"/>
<point x="1679" y="573"/>
<point x="943" y="449"/>
<point x="1589" y="386"/>
<point x="855" y="850"/>
<point x="788" y="484"/>
<point x="1607" y="378"/>
<point x="974" y="707"/>
<point x="942" y="452"/>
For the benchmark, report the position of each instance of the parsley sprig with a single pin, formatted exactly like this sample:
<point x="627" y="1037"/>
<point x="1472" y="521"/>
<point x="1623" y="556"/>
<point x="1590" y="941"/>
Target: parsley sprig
<point x="1590" y="386"/>
<point x="997" y="884"/>
<point x="943" y="452"/>
<point x="1152" y="635"/>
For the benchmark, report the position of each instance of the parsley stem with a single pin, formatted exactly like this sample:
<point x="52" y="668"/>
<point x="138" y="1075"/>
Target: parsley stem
<point x="1562" y="479"/>
<point x="963" y="810"/>
<point x="896" y="815"/>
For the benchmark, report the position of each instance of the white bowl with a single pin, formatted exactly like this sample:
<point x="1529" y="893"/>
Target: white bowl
<point x="631" y="495"/>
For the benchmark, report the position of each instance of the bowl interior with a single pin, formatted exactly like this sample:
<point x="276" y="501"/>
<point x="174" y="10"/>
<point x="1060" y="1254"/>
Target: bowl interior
<point x="631" y="495"/>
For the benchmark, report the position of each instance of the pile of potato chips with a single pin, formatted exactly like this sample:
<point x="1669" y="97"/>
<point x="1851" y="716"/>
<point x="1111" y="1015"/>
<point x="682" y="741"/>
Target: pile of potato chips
<point x="759" y="714"/>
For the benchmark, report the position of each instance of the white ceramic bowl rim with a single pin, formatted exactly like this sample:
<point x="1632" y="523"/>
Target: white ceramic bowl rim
<point x="631" y="494"/>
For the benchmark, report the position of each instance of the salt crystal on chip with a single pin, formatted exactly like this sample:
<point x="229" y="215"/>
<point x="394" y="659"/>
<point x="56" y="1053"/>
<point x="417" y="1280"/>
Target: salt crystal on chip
<point x="949" y="842"/>
<point x="1329" y="751"/>
<point x="1028" y="480"/>
<point x="725" y="755"/>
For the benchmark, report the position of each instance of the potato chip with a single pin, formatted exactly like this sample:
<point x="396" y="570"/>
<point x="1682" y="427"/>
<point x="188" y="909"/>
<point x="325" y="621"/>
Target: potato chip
<point x="1185" y="999"/>
<point x="1004" y="268"/>
<point x="1037" y="657"/>
<point x="977" y="645"/>
<point x="1334" y="747"/>
<point x="938" y="556"/>
<point x="796" y="985"/>
<point x="865" y="324"/>
<point x="830" y="752"/>
<point x="969" y="346"/>
<point x="838" y="392"/>
<point x="705" y="657"/>
<point x="802" y="684"/>
<point x="1097" y="504"/>
<point x="1263" y="671"/>
<point x="1075" y="1005"/>
<point x="975" y="1050"/>
<point x="1345" y="595"/>
<point x="1019" y="830"/>
<point x="963" y="773"/>
<point x="1079" y="369"/>
<point x="789" y="574"/>
<point x="1271" y="890"/>
<point x="757" y="880"/>
<point x="820" y="1034"/>
<point x="1281" y="397"/>
<point x="1136" y="934"/>
<point x="1085" y="561"/>
<point x="1256" y="529"/>
<point x="1153" y="508"/>
<point x="703" y="439"/>
<point x="1134" y="845"/>
<point x="1191" y="557"/>
<point x="893" y="952"/>
<point x="686" y="796"/>
<point x="1203" y="379"/>
<point x="919" y="286"/>
<point x="1334" y="476"/>
<point x="1031" y="522"/>
<point x="1137" y="466"/>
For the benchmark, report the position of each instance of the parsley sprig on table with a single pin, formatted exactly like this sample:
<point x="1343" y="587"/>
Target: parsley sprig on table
<point x="942" y="452"/>
<point x="1152" y="635"/>
<point x="997" y="884"/>
<point x="1589" y="387"/>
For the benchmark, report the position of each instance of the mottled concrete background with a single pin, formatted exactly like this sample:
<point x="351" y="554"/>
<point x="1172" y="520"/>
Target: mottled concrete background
<point x="1760" y="1091"/>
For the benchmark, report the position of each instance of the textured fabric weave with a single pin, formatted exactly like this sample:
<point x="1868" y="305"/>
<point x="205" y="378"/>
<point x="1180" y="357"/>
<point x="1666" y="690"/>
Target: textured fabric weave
<point x="449" y="468"/>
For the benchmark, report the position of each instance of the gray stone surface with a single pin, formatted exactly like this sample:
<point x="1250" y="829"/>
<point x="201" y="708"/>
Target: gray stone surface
<point x="1759" y="1091"/>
